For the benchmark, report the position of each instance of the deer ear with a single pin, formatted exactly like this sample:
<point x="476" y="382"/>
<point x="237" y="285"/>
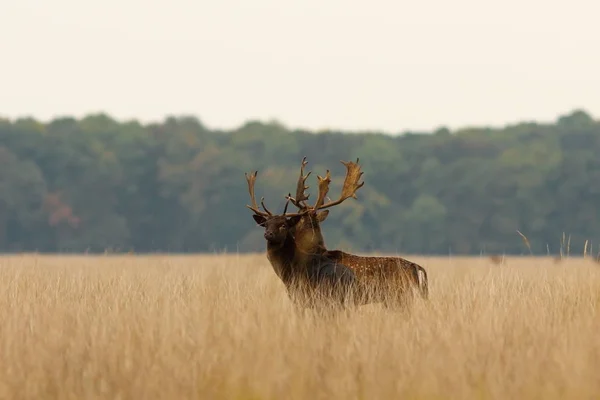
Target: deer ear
<point x="322" y="216"/>
<point x="292" y="221"/>
<point x="259" y="219"/>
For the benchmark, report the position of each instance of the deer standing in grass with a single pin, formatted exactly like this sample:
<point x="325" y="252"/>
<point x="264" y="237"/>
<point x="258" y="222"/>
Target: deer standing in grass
<point x="379" y="279"/>
<point x="295" y="243"/>
<point x="307" y="278"/>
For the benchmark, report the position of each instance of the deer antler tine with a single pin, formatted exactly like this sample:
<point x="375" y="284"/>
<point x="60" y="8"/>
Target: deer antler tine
<point x="323" y="189"/>
<point x="262" y="203"/>
<point x="286" y="204"/>
<point x="303" y="212"/>
<point x="301" y="187"/>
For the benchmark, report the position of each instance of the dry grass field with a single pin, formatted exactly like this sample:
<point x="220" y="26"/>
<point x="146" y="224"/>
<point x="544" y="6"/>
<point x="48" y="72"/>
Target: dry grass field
<point x="221" y="327"/>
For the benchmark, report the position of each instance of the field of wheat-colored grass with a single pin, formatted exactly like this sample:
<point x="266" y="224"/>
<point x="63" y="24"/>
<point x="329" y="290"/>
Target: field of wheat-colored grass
<point x="222" y="327"/>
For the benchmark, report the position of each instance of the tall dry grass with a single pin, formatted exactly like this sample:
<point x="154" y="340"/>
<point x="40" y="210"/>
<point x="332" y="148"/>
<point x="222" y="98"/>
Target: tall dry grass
<point x="221" y="327"/>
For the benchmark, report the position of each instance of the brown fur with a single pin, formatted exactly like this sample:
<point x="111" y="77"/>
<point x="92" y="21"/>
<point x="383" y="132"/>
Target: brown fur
<point x="280" y="244"/>
<point x="377" y="277"/>
<point x="384" y="279"/>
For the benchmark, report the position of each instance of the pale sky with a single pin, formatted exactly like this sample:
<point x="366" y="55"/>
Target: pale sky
<point x="341" y="64"/>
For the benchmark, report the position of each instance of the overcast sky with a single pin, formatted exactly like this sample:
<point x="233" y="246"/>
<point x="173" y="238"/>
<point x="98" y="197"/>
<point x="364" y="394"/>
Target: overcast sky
<point x="379" y="65"/>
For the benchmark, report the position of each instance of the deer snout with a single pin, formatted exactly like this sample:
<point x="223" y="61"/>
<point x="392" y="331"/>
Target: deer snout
<point x="269" y="235"/>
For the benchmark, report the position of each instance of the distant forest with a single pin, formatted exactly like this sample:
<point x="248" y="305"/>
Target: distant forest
<point x="94" y="184"/>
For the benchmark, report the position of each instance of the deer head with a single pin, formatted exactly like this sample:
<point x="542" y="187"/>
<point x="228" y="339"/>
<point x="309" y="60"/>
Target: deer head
<point x="277" y="227"/>
<point x="304" y="225"/>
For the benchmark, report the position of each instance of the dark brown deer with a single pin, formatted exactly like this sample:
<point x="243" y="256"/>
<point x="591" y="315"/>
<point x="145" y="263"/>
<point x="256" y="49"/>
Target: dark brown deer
<point x="304" y="245"/>
<point x="379" y="279"/>
<point x="307" y="278"/>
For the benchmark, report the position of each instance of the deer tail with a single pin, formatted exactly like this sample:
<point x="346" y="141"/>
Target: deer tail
<point x="423" y="281"/>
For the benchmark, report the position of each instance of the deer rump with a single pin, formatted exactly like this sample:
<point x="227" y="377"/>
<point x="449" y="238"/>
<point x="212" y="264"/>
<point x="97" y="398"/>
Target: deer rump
<point x="378" y="278"/>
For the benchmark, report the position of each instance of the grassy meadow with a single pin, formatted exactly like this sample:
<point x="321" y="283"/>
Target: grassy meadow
<point x="222" y="327"/>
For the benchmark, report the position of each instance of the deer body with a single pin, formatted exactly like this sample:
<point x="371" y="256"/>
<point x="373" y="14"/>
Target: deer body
<point x="376" y="277"/>
<point x="296" y="250"/>
<point x="319" y="279"/>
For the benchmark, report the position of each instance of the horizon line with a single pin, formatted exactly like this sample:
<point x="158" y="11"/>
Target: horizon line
<point x="145" y="122"/>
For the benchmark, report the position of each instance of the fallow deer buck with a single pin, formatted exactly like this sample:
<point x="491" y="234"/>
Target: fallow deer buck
<point x="295" y="244"/>
<point x="307" y="278"/>
<point x="378" y="279"/>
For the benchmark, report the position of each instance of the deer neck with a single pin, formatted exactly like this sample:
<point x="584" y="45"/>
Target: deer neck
<point x="281" y="256"/>
<point x="310" y="241"/>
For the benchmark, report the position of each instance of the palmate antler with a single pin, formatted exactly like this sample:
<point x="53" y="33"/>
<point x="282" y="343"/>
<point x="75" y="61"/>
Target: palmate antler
<point x="251" y="179"/>
<point x="351" y="185"/>
<point x="300" y="199"/>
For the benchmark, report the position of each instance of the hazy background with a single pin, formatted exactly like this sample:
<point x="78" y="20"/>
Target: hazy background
<point x="380" y="65"/>
<point x="129" y="125"/>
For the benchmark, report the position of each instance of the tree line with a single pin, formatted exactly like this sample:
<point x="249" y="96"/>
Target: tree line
<point x="91" y="184"/>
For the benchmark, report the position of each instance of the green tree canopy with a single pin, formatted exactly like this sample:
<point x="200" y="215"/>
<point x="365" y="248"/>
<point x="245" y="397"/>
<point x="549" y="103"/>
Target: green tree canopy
<point x="97" y="183"/>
